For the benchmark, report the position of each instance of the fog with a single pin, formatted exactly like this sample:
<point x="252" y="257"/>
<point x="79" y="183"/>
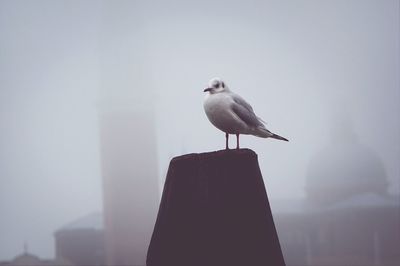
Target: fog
<point x="304" y="66"/>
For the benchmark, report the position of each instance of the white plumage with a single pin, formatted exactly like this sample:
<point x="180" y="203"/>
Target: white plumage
<point x="230" y="113"/>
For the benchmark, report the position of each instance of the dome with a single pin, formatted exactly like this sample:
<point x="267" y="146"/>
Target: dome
<point x="26" y="259"/>
<point x="344" y="168"/>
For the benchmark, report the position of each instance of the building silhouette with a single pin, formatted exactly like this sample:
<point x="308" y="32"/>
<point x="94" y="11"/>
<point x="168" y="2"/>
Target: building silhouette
<point x="130" y="191"/>
<point x="348" y="217"/>
<point x="127" y="137"/>
<point x="28" y="259"/>
<point x="81" y="242"/>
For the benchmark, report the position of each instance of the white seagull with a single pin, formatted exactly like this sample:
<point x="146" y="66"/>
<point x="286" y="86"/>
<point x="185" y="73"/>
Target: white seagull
<point x="230" y="113"/>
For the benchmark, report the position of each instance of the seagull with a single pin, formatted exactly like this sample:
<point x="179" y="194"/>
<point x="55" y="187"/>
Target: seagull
<point x="231" y="114"/>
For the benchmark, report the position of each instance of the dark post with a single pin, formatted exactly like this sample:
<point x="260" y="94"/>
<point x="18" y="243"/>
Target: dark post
<point x="215" y="211"/>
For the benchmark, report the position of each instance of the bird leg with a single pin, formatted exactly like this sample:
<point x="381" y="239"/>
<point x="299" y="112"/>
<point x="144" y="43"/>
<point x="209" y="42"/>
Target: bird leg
<point x="226" y="141"/>
<point x="237" y="141"/>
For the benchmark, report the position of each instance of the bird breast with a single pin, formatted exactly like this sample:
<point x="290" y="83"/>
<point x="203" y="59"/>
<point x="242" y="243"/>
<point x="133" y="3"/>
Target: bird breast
<point x="218" y="110"/>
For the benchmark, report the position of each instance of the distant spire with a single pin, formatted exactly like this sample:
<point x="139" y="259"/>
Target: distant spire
<point x="25" y="247"/>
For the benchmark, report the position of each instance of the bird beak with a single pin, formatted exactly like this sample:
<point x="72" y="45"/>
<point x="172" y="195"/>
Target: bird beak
<point x="207" y="89"/>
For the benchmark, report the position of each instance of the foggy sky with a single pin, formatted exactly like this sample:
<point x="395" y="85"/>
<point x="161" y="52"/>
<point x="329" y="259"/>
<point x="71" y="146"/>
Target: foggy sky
<point x="298" y="63"/>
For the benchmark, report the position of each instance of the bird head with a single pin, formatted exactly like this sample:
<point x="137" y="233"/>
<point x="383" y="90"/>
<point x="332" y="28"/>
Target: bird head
<point x="216" y="85"/>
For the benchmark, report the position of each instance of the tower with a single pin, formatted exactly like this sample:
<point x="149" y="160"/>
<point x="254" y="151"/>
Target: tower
<point x="127" y="135"/>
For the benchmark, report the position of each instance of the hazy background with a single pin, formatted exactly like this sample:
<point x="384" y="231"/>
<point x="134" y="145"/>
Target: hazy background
<point x="299" y="63"/>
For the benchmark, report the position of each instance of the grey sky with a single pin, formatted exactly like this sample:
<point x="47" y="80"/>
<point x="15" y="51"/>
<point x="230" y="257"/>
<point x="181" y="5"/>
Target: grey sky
<point x="298" y="63"/>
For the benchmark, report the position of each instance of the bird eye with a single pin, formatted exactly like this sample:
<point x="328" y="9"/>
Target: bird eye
<point x="216" y="85"/>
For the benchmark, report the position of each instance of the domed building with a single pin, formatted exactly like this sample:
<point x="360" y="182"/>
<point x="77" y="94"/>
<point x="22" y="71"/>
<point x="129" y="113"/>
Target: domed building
<point x="344" y="169"/>
<point x="80" y="242"/>
<point x="27" y="259"/>
<point x="348" y="216"/>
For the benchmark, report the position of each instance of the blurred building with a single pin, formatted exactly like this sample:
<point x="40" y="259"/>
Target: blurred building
<point x="348" y="217"/>
<point x="27" y="259"/>
<point x="81" y="242"/>
<point x="127" y="135"/>
<point x="363" y="230"/>
<point x="130" y="190"/>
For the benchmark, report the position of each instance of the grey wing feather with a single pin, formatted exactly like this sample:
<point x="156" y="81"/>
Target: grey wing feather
<point x="239" y="100"/>
<point x="245" y="112"/>
<point x="261" y="120"/>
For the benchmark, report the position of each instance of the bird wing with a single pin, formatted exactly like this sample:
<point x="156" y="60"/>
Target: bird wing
<point x="245" y="112"/>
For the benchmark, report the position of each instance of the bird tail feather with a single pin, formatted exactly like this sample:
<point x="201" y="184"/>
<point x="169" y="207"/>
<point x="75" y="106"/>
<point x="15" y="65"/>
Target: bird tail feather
<point x="275" y="136"/>
<point x="265" y="133"/>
